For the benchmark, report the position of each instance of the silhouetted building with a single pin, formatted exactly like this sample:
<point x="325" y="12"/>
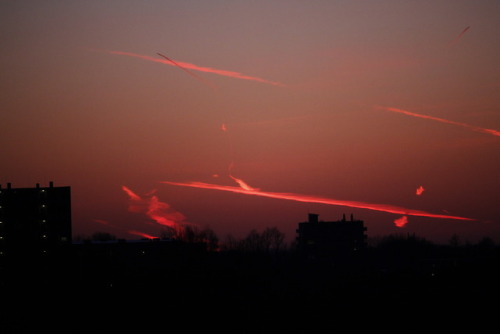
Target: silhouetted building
<point x="335" y="238"/>
<point x="34" y="221"/>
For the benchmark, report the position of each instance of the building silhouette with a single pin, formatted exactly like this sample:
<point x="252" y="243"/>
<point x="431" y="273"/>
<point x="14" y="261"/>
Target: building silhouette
<point x="342" y="238"/>
<point x="34" y="222"/>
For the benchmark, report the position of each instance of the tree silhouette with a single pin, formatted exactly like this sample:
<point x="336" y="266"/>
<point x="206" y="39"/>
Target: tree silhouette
<point x="271" y="239"/>
<point x="191" y="234"/>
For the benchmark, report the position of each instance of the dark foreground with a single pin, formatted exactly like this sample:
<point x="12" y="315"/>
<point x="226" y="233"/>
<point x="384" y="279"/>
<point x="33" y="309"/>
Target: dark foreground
<point x="182" y="288"/>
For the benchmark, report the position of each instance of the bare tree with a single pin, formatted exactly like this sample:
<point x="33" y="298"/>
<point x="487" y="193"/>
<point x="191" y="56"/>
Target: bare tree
<point x="191" y="234"/>
<point x="209" y="237"/>
<point x="273" y="239"/>
<point x="253" y="242"/>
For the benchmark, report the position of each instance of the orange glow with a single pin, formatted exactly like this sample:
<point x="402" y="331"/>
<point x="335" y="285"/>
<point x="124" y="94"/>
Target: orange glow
<point x="315" y="199"/>
<point x="161" y="212"/>
<point x="184" y="66"/>
<point x="401" y="222"/>
<point x="442" y="120"/>
<point x="420" y="190"/>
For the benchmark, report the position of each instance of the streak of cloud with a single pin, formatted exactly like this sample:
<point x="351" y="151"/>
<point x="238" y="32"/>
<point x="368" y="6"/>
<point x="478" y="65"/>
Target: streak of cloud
<point x="209" y="84"/>
<point x="141" y="234"/>
<point x="442" y="120"/>
<point x="316" y="199"/>
<point x="131" y="232"/>
<point x="419" y="191"/>
<point x="401" y="222"/>
<point x="243" y="185"/>
<point x="194" y="67"/>
<point x="161" y="212"/>
<point x="101" y="221"/>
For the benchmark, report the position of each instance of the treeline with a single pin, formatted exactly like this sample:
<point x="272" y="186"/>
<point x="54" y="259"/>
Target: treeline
<point x="271" y="239"/>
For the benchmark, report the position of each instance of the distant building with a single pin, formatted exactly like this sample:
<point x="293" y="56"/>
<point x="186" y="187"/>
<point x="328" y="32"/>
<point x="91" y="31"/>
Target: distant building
<point x="335" y="238"/>
<point x="34" y="221"/>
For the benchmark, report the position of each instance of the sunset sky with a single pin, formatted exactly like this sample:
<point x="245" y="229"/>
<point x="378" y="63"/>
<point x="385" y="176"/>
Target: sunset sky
<point x="201" y="112"/>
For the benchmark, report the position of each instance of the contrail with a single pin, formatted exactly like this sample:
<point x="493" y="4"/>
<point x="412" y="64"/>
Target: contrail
<point x="442" y="120"/>
<point x="315" y="199"/>
<point x="194" y="67"/>
<point x="463" y="32"/>
<point x="455" y="41"/>
<point x="243" y="185"/>
<point x="188" y="72"/>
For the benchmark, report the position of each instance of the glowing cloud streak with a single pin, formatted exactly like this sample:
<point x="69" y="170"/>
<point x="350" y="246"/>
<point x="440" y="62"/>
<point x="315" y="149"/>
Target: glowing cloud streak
<point x="243" y="185"/>
<point x="141" y="234"/>
<point x="194" y="67"/>
<point x="132" y="232"/>
<point x="442" y="120"/>
<point x="160" y="212"/>
<point x="315" y="199"/>
<point x="401" y="222"/>
<point x="419" y="191"/>
<point x="188" y="72"/>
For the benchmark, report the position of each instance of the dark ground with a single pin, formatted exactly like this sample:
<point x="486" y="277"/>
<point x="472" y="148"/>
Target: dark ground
<point x="182" y="288"/>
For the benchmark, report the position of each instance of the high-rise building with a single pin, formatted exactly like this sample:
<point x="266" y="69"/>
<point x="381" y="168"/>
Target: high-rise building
<point x="331" y="238"/>
<point x="34" y="221"/>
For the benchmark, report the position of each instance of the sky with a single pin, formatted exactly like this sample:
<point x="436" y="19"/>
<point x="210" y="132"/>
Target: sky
<point x="241" y="115"/>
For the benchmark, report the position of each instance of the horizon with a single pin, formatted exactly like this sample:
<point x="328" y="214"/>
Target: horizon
<point x="239" y="116"/>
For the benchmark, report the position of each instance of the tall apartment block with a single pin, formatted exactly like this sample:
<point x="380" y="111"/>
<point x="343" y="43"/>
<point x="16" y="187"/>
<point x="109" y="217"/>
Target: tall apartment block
<point x="34" y="221"/>
<point x="340" y="238"/>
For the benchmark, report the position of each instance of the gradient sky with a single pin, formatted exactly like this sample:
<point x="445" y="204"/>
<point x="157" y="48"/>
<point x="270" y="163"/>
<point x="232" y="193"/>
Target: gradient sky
<point x="87" y="102"/>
